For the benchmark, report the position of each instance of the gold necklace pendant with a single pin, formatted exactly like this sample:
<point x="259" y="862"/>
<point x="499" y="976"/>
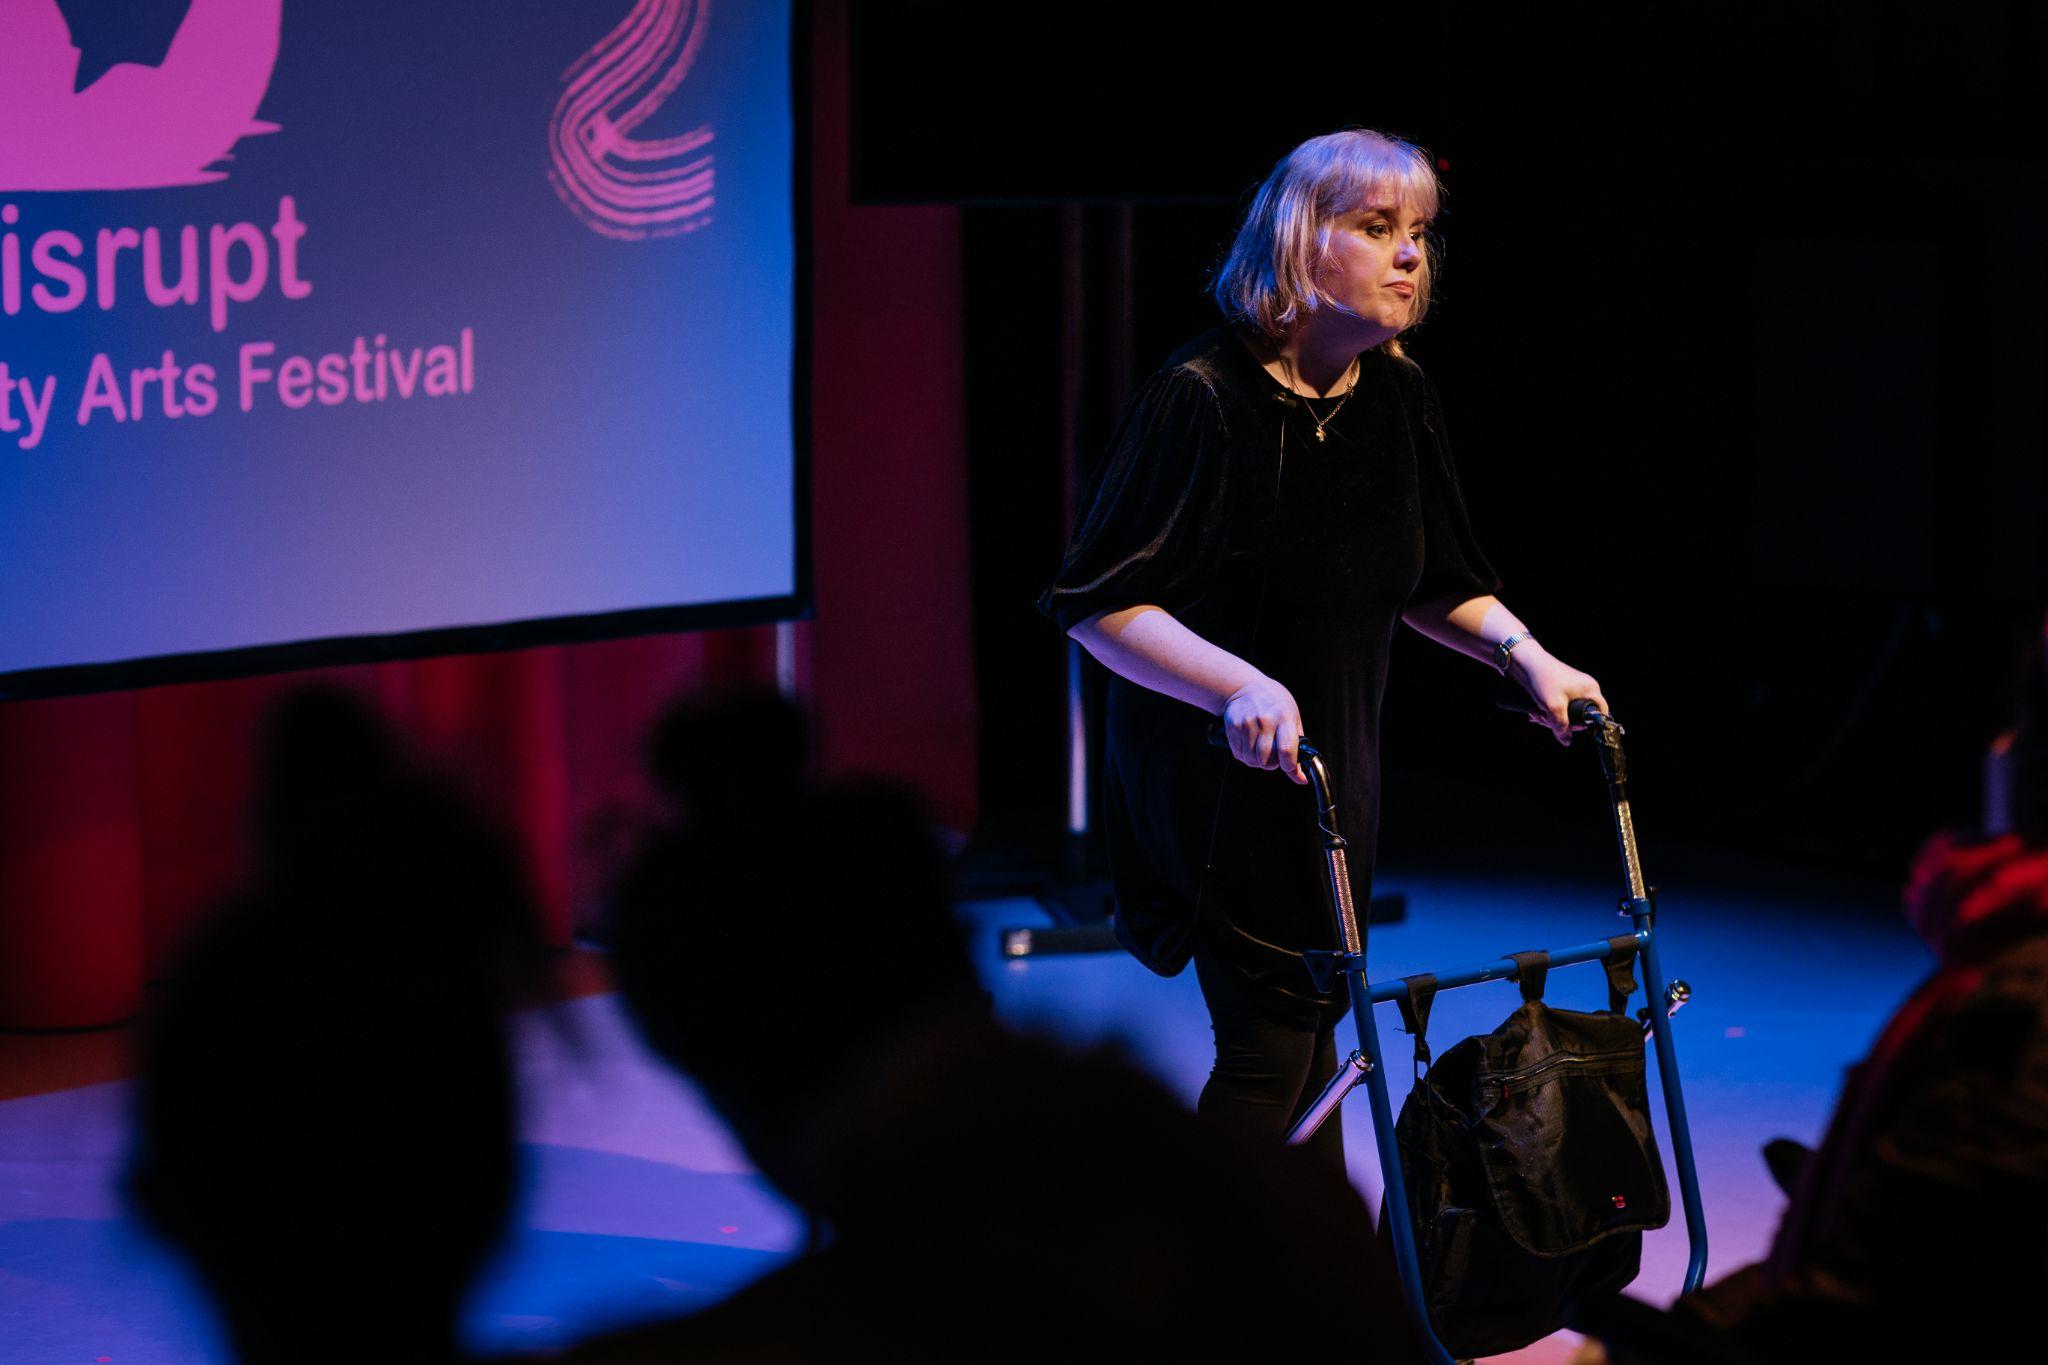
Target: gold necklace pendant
<point x="1292" y="383"/>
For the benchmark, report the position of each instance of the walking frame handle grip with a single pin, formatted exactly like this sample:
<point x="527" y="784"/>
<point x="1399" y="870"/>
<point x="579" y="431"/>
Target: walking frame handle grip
<point x="1219" y="738"/>
<point x="1581" y="713"/>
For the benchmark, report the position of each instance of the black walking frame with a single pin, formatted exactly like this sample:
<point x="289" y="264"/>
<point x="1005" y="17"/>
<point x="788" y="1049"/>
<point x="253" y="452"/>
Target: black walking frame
<point x="1363" y="1065"/>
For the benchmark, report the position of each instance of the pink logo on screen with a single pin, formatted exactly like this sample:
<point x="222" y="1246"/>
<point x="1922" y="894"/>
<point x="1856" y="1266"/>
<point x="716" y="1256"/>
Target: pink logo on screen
<point x="619" y="184"/>
<point x="136" y="127"/>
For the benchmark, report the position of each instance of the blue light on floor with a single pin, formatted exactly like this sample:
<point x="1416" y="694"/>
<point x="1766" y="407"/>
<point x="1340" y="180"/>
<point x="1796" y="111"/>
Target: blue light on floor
<point x="638" y="1203"/>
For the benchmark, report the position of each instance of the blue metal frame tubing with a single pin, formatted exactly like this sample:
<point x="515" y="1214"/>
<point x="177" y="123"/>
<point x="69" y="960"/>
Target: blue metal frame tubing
<point x="1364" y="994"/>
<point x="1394" y="1202"/>
<point x="1674" y="1101"/>
<point x="1395" y="1206"/>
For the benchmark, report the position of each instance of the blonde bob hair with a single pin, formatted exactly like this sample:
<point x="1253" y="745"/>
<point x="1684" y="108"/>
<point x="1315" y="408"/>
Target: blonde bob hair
<point x="1269" y="279"/>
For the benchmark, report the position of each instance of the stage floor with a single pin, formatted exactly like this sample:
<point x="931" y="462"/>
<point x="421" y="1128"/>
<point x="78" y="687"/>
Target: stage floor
<point x="639" y="1205"/>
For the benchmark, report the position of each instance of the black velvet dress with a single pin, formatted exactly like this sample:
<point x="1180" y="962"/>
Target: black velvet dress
<point x="1217" y="503"/>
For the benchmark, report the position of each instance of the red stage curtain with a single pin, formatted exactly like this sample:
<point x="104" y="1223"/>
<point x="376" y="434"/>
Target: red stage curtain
<point x="123" y="817"/>
<point x="70" y="863"/>
<point x="891" y="648"/>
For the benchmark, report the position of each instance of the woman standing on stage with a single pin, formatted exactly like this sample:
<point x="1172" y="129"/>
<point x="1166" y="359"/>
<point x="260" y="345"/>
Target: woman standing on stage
<point x="1277" y="499"/>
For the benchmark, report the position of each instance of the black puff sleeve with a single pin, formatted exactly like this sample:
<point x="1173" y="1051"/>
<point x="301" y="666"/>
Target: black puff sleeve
<point x="1453" y="565"/>
<point x="1151" y="527"/>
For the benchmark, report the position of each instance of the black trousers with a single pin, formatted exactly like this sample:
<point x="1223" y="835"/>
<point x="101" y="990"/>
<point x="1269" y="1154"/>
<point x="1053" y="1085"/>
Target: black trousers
<point x="1266" y="1072"/>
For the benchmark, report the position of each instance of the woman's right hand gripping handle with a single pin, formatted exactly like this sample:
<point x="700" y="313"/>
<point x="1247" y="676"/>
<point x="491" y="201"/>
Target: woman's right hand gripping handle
<point x="1146" y="645"/>
<point x="1263" y="727"/>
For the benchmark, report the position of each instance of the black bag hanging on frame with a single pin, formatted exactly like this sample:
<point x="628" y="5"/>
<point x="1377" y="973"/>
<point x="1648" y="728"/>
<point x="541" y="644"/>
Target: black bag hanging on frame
<point x="1532" y="1171"/>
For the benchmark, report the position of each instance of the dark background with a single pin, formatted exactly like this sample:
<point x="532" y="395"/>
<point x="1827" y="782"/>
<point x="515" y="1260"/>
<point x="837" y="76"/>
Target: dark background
<point x="1739" y="332"/>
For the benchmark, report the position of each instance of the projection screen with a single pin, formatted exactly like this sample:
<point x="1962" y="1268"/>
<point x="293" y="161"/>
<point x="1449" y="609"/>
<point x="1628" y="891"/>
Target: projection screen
<point x="341" y="332"/>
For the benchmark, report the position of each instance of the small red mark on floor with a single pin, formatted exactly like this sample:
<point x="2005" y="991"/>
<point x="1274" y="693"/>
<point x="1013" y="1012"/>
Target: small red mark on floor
<point x="1737" y="1032"/>
<point x="730" y="1227"/>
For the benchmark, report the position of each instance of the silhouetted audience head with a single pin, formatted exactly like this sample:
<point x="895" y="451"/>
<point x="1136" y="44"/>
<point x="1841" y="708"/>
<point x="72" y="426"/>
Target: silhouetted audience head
<point x="326" y="1105"/>
<point x="786" y="931"/>
<point x="1962" y="878"/>
<point x="729" y="750"/>
<point x="791" y="946"/>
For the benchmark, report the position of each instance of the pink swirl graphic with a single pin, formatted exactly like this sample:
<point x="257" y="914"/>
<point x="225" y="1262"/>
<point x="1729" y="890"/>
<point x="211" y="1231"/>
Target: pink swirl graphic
<point x="618" y="184"/>
<point x="136" y="127"/>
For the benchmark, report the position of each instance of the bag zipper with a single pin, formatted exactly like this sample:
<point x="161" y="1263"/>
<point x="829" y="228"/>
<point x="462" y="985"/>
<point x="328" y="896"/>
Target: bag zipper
<point x="1552" y="1062"/>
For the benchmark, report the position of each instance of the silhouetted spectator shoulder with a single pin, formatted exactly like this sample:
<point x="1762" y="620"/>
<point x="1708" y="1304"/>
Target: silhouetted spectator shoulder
<point x="1919" y="1229"/>
<point x="999" y="1198"/>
